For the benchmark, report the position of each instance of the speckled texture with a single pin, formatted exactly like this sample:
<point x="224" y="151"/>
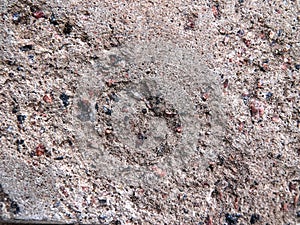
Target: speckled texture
<point x="150" y="112"/>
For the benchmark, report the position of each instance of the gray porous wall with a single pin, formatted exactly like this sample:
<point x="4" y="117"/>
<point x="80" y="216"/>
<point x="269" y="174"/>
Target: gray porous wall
<point x="150" y="112"/>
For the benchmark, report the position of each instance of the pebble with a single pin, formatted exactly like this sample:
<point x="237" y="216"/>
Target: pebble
<point x="21" y="118"/>
<point x="39" y="14"/>
<point x="254" y="218"/>
<point x="232" y="219"/>
<point x="53" y="20"/>
<point x="26" y="48"/>
<point x="68" y="28"/>
<point x="16" y="17"/>
<point x="144" y="111"/>
<point x="40" y="150"/>
<point x="47" y="98"/>
<point x="269" y="95"/>
<point x="65" y="99"/>
<point x="59" y="158"/>
<point x="107" y="111"/>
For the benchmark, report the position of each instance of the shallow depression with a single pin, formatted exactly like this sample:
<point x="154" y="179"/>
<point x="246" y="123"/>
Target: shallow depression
<point x="150" y="112"/>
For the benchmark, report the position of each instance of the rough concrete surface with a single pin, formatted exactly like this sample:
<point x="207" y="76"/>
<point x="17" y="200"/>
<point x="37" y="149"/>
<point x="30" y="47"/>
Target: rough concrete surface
<point x="150" y="112"/>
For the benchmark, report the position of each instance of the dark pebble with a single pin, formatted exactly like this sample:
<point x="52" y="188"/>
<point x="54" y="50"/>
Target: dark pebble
<point x="144" y="111"/>
<point x="241" y="33"/>
<point x="20" y="68"/>
<point x="298" y="213"/>
<point x="53" y="20"/>
<point x="297" y="66"/>
<point x="107" y="111"/>
<point x="185" y="210"/>
<point x="16" y="17"/>
<point x="68" y="28"/>
<point x="59" y="158"/>
<point x="21" y="118"/>
<point x="141" y="136"/>
<point x="15" y="109"/>
<point x="97" y="107"/>
<point x="269" y="95"/>
<point x="254" y="218"/>
<point x="15" y="209"/>
<point x="20" y="142"/>
<point x="114" y="97"/>
<point x="65" y="99"/>
<point x="246" y="99"/>
<point x="116" y="222"/>
<point x="103" y="202"/>
<point x="232" y="219"/>
<point x="26" y="48"/>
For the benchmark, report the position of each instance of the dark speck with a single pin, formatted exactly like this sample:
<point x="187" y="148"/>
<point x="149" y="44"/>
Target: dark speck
<point x="59" y="158"/>
<point x="15" y="109"/>
<point x="20" y="142"/>
<point x="103" y="202"/>
<point x="232" y="219"/>
<point x="269" y="95"/>
<point x="144" y="111"/>
<point x="14" y="207"/>
<point x="141" y="136"/>
<point x="26" y="48"/>
<point x="297" y="66"/>
<point x="241" y="32"/>
<point x="298" y="214"/>
<point x="114" y="97"/>
<point x="254" y="218"/>
<point x="68" y="28"/>
<point x="97" y="107"/>
<point x="16" y="17"/>
<point x="21" y="118"/>
<point x="53" y="20"/>
<point x="65" y="99"/>
<point x="107" y="111"/>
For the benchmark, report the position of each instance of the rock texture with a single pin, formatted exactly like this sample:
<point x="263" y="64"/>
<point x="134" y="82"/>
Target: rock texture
<point x="150" y="112"/>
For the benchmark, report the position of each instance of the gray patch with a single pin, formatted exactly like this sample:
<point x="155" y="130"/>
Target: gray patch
<point x="168" y="134"/>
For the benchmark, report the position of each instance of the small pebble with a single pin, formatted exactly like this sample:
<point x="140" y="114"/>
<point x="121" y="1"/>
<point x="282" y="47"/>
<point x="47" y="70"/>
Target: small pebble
<point x="53" y="20"/>
<point x="38" y="14"/>
<point x="59" y="158"/>
<point x="107" y="111"/>
<point x="20" y="142"/>
<point x="16" y="17"/>
<point x="232" y="219"/>
<point x="114" y="97"/>
<point x="68" y="28"/>
<point x="97" y="107"/>
<point x="14" y="207"/>
<point x="225" y="84"/>
<point x="269" y="95"/>
<point x="15" y="109"/>
<point x="103" y="202"/>
<point x="21" y="118"/>
<point x="47" y="98"/>
<point x="40" y="150"/>
<point x="26" y="48"/>
<point x="254" y="218"/>
<point x="65" y="99"/>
